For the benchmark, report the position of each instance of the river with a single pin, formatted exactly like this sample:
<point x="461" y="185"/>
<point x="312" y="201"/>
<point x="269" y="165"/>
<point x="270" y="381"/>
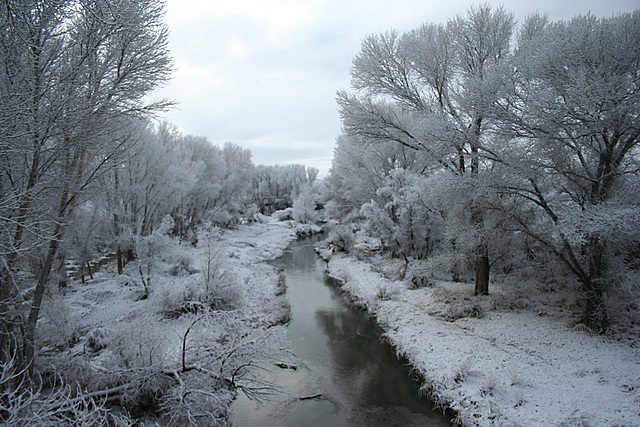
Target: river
<point x="338" y="355"/>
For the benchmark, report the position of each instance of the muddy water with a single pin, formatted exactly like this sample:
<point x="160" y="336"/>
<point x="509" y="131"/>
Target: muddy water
<point x="339" y="355"/>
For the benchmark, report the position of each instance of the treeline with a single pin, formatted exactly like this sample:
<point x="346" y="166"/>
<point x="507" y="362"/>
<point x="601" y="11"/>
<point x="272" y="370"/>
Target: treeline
<point x="185" y="177"/>
<point x="480" y="146"/>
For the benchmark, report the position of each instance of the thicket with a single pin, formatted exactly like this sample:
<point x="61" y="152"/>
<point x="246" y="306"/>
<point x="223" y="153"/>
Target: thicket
<point x="481" y="146"/>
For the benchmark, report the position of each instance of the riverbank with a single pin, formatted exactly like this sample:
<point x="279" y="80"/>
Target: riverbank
<point x="495" y="361"/>
<point x="153" y="343"/>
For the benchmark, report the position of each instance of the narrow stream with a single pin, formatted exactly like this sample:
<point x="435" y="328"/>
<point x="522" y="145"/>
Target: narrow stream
<point x="339" y="355"/>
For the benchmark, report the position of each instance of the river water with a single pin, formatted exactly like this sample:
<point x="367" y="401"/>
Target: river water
<point x="338" y="355"/>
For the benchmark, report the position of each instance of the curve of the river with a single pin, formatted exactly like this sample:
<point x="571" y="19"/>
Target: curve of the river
<point x="340" y="356"/>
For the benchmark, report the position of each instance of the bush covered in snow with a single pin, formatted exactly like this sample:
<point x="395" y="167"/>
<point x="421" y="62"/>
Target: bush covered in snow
<point x="304" y="206"/>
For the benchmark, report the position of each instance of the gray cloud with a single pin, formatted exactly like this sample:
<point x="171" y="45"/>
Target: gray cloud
<point x="264" y="73"/>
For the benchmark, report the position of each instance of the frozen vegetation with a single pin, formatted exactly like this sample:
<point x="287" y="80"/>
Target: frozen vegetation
<point x="179" y="351"/>
<point x="483" y="198"/>
<point x="485" y="187"/>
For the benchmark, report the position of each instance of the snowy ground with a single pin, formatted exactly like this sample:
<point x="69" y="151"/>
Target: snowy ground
<point x="107" y="303"/>
<point x="513" y="366"/>
<point x="516" y="365"/>
<point x="109" y="298"/>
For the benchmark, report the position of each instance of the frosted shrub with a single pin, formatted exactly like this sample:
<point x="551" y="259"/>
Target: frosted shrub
<point x="28" y="405"/>
<point x="218" y="357"/>
<point x="221" y="216"/>
<point x="214" y="286"/>
<point x="221" y="291"/>
<point x="401" y="216"/>
<point x="56" y="330"/>
<point x="229" y="344"/>
<point x="341" y="237"/>
<point x="386" y="293"/>
<point x="191" y="295"/>
<point x="182" y="266"/>
<point x="140" y="354"/>
<point x="200" y="402"/>
<point x="149" y="250"/>
<point x="179" y="297"/>
<point x="140" y="343"/>
<point x="97" y="339"/>
<point x="304" y="206"/>
<point x="283" y="215"/>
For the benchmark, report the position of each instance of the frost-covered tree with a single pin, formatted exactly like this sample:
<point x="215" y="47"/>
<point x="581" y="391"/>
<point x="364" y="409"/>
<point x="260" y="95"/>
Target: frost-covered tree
<point x="428" y="90"/>
<point x="405" y="219"/>
<point x="234" y="178"/>
<point x="74" y="75"/>
<point x="359" y="170"/>
<point x="276" y="187"/>
<point x="304" y="205"/>
<point x="572" y="114"/>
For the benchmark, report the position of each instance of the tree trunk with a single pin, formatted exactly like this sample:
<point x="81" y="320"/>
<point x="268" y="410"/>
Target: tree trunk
<point x="89" y="270"/>
<point x="595" y="315"/>
<point x="482" y="255"/>
<point x="120" y="259"/>
<point x="482" y="273"/>
<point x="9" y="319"/>
<point x="34" y="313"/>
<point x="481" y="261"/>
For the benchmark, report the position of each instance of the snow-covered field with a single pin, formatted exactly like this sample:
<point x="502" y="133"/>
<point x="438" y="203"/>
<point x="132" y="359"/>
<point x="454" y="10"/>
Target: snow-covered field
<point x="511" y="367"/>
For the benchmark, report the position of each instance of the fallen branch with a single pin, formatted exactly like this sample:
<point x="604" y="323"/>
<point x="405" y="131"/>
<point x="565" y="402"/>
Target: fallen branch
<point x="286" y="366"/>
<point x="107" y="395"/>
<point x="313" y="396"/>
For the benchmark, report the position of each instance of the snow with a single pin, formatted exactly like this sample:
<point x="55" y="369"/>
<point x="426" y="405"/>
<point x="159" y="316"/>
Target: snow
<point x="112" y="305"/>
<point x="249" y="249"/>
<point x="507" y="366"/>
<point x="510" y="367"/>
<point x="109" y="299"/>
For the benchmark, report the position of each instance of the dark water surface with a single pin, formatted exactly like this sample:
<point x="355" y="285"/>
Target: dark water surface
<point x="339" y="355"/>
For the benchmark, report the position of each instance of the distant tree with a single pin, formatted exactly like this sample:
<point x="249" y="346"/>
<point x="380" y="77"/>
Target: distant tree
<point x="304" y="205"/>
<point x="359" y="170"/>
<point x="276" y="187"/>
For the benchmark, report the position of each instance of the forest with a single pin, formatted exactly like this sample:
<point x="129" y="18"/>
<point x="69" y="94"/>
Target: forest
<point x="475" y="151"/>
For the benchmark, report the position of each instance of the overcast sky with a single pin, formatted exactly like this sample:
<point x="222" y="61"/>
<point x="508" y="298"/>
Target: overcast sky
<point x="264" y="73"/>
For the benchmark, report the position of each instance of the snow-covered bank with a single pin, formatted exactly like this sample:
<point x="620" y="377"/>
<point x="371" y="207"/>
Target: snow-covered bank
<point x="510" y="367"/>
<point x="109" y="298"/>
<point x="112" y="333"/>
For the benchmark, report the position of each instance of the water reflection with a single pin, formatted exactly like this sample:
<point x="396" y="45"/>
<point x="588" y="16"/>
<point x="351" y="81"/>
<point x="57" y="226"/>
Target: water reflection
<point x="364" y="368"/>
<point x="340" y="356"/>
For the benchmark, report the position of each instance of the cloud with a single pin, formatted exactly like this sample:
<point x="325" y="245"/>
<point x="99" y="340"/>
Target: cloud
<point x="264" y="73"/>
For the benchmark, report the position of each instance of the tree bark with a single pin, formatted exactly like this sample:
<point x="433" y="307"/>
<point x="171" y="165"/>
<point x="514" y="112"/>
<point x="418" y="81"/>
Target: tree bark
<point x="34" y="313"/>
<point x="482" y="273"/>
<point x="595" y="315"/>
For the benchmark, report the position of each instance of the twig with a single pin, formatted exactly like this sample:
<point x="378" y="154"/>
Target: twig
<point x="286" y="366"/>
<point x="313" y="396"/>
